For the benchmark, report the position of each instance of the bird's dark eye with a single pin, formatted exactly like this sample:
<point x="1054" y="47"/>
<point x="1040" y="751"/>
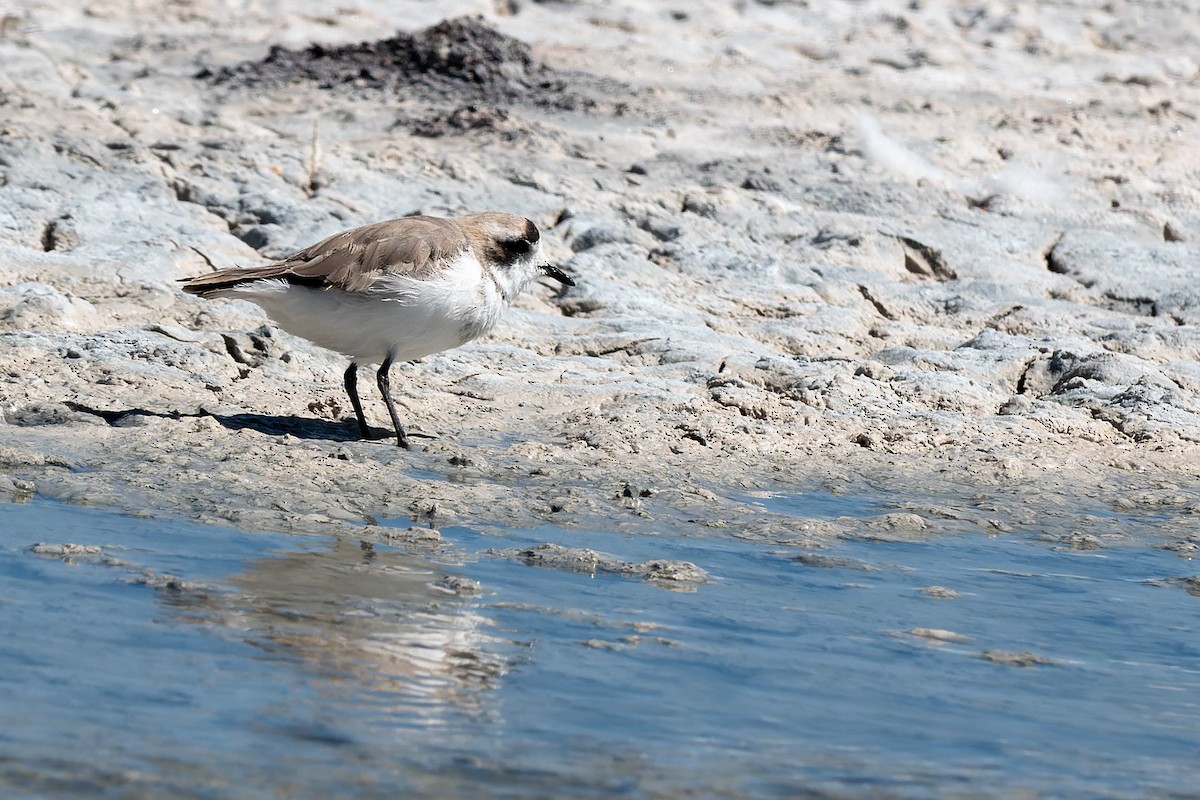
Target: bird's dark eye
<point x="516" y="247"/>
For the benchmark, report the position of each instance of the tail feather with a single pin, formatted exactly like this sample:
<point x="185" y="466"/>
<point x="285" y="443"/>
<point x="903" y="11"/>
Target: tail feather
<point x="213" y="283"/>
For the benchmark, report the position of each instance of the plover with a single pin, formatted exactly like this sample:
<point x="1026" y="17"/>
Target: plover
<point x="393" y="291"/>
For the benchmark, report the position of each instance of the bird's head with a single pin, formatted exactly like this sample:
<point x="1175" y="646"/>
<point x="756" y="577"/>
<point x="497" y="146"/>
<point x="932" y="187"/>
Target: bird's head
<point x="510" y="246"/>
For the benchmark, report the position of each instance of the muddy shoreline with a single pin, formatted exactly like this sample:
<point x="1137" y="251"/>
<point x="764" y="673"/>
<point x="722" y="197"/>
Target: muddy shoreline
<point x="905" y="252"/>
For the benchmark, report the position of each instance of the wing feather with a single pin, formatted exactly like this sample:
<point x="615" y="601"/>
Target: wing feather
<point x="353" y="260"/>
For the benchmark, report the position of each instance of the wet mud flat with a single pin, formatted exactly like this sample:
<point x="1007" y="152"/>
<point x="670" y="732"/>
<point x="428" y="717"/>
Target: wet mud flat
<point x="774" y="292"/>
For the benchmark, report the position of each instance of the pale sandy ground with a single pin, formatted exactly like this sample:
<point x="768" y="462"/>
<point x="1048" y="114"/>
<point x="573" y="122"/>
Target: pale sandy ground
<point x="946" y="252"/>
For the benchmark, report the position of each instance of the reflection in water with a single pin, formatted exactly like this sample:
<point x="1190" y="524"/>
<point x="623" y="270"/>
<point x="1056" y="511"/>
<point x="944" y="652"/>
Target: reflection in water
<point x="989" y="665"/>
<point x="370" y="625"/>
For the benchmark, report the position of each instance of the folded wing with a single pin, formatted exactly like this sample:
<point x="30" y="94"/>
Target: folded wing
<point x="352" y="260"/>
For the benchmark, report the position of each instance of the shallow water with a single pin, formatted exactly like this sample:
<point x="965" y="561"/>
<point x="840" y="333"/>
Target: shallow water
<point x="204" y="662"/>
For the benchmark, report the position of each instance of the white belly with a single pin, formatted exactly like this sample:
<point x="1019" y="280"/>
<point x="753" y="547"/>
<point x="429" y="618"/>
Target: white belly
<point x="398" y="316"/>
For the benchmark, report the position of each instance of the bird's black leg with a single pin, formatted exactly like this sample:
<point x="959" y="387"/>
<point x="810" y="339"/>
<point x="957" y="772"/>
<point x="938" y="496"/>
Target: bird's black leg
<point x="352" y="390"/>
<point x="385" y="389"/>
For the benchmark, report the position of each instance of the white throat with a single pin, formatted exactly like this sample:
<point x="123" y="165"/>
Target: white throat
<point x="511" y="279"/>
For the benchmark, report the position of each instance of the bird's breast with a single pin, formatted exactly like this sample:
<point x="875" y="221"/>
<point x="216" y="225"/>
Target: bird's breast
<point x="458" y="304"/>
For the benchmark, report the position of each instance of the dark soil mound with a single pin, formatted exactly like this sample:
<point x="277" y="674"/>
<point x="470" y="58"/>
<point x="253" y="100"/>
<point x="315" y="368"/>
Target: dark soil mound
<point x="462" y="55"/>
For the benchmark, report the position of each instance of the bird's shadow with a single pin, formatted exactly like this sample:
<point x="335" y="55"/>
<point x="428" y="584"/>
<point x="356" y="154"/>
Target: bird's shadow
<point x="270" y="424"/>
<point x="309" y="428"/>
<point x="300" y="427"/>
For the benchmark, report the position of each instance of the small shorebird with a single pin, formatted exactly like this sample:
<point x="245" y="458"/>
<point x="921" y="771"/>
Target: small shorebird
<point x="393" y="291"/>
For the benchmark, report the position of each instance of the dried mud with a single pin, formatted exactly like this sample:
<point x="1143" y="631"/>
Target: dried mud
<point x="463" y="56"/>
<point x="938" y="253"/>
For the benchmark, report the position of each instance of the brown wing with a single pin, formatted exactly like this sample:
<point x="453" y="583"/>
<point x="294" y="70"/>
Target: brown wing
<point x="354" y="259"/>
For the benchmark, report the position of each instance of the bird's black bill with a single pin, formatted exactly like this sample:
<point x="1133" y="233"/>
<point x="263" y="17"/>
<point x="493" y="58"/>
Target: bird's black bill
<point x="558" y="274"/>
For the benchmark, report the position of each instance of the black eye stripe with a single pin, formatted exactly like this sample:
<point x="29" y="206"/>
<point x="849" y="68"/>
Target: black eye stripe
<point x="516" y="246"/>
